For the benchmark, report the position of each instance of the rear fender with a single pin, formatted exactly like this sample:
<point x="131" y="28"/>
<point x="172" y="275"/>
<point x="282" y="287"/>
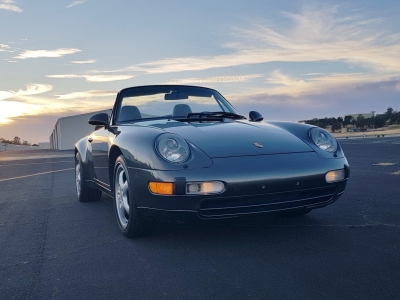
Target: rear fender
<point x="82" y="147"/>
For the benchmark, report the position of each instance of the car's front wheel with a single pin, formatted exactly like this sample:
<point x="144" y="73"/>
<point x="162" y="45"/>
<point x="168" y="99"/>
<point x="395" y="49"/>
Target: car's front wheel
<point x="129" y="220"/>
<point x="85" y="193"/>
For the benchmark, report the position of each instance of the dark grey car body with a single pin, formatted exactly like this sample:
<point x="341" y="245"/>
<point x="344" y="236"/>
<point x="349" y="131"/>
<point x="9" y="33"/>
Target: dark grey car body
<point x="265" y="166"/>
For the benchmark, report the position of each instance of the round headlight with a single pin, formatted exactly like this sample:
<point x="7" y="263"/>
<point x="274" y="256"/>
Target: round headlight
<point x="172" y="148"/>
<point x="323" y="139"/>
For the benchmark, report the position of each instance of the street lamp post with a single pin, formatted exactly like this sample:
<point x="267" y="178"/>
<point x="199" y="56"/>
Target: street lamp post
<point x="5" y="147"/>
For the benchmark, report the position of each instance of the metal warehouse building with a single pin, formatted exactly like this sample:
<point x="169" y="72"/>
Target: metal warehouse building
<point x="69" y="130"/>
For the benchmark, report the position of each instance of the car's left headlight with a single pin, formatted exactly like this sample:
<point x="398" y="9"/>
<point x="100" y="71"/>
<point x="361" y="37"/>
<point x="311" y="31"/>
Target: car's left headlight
<point x="323" y="139"/>
<point x="172" y="148"/>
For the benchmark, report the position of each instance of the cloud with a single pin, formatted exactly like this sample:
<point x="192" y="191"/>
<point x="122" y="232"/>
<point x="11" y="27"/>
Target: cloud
<point x="32" y="101"/>
<point x="309" y="92"/>
<point x="5" y="95"/>
<point x="87" y="94"/>
<point x="329" y="34"/>
<point x="4" y="47"/>
<point x="77" y="3"/>
<point x="92" y="61"/>
<point x="362" y="97"/>
<point x="217" y="79"/>
<point x="94" y="78"/>
<point x="9" y="5"/>
<point x="32" y="89"/>
<point x="17" y="103"/>
<point x="283" y="84"/>
<point x="46" y="53"/>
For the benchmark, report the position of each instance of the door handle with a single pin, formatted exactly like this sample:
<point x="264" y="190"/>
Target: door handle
<point x="90" y="139"/>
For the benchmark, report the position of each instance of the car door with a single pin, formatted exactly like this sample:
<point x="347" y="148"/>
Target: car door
<point x="99" y="140"/>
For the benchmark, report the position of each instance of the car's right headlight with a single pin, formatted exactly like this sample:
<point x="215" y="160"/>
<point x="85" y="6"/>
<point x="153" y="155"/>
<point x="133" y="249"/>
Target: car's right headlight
<point x="172" y="148"/>
<point x="323" y="139"/>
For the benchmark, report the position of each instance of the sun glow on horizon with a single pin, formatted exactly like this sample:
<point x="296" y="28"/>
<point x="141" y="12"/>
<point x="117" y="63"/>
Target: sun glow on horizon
<point x="12" y="109"/>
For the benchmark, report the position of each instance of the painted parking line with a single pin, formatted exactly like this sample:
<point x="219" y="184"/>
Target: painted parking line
<point x="50" y="162"/>
<point x="37" y="174"/>
<point x="7" y="158"/>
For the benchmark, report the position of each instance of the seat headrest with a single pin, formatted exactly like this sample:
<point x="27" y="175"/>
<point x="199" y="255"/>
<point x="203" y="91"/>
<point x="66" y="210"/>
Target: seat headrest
<point x="181" y="110"/>
<point x="129" y="112"/>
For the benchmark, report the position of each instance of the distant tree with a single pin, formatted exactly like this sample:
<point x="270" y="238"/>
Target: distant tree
<point x="25" y="143"/>
<point x="336" y="126"/>
<point x="388" y="115"/>
<point x="35" y="145"/>
<point x="379" y="121"/>
<point x="17" y="141"/>
<point x="321" y="124"/>
<point x="347" y="120"/>
<point x="361" y="122"/>
<point x="370" y="122"/>
<point x="396" y="117"/>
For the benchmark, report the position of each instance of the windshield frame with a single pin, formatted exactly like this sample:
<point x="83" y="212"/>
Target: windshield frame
<point x="158" y="89"/>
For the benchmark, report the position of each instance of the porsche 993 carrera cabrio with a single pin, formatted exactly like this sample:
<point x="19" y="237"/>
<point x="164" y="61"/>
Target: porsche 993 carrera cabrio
<point x="184" y="153"/>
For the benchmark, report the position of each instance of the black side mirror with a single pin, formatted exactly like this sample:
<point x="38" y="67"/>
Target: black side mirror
<point x="100" y="119"/>
<point x="255" y="116"/>
<point x="98" y="127"/>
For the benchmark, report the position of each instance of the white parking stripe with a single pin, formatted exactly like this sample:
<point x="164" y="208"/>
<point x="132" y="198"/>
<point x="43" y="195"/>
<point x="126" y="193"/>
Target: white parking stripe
<point x="36" y="174"/>
<point x="50" y="162"/>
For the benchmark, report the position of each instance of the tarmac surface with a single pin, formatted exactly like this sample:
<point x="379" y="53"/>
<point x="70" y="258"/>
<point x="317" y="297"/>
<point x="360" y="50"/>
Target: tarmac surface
<point x="54" y="247"/>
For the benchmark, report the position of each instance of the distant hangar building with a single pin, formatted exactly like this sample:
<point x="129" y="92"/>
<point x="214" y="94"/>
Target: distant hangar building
<point x="69" y="130"/>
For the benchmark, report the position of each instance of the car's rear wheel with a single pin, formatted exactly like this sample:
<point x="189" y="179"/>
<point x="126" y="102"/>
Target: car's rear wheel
<point x="129" y="220"/>
<point x="296" y="212"/>
<point x="85" y="193"/>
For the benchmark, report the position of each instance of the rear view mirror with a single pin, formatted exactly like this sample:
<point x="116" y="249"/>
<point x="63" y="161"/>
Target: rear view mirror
<point x="176" y="96"/>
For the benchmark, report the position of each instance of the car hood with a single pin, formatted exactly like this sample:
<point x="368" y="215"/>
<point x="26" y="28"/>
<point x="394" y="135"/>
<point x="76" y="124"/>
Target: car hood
<point x="236" y="138"/>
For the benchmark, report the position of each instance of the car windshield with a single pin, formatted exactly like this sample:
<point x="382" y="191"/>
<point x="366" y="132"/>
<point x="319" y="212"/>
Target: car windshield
<point x="170" y="101"/>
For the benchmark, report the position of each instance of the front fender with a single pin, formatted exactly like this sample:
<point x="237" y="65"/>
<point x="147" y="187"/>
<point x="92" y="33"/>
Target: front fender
<point x="302" y="132"/>
<point x="137" y="144"/>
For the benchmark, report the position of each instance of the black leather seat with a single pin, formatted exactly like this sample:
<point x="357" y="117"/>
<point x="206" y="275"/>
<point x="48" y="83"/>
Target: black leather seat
<point x="181" y="110"/>
<point x="129" y="112"/>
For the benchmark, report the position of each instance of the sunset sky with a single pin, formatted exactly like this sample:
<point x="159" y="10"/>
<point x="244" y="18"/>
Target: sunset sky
<point x="290" y="60"/>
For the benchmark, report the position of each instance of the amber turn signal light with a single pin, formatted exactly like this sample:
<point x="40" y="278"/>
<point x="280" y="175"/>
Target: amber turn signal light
<point x="161" y="188"/>
<point x="335" y="175"/>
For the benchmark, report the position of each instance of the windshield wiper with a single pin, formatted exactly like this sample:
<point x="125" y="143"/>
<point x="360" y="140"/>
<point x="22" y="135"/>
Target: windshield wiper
<point x="215" y="114"/>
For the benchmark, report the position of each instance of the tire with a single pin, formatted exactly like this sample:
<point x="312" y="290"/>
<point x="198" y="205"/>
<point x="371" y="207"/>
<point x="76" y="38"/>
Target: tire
<point x="296" y="212"/>
<point x="85" y="193"/>
<point x="129" y="221"/>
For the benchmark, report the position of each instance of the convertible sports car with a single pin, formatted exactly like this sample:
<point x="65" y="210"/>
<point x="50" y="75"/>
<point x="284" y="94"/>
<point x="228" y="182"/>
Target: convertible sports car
<point x="184" y="153"/>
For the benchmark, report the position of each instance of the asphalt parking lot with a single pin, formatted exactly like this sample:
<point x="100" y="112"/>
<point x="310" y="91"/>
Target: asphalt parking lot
<point x="54" y="247"/>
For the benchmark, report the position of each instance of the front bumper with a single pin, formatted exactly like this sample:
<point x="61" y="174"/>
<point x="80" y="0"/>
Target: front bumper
<point x="253" y="184"/>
